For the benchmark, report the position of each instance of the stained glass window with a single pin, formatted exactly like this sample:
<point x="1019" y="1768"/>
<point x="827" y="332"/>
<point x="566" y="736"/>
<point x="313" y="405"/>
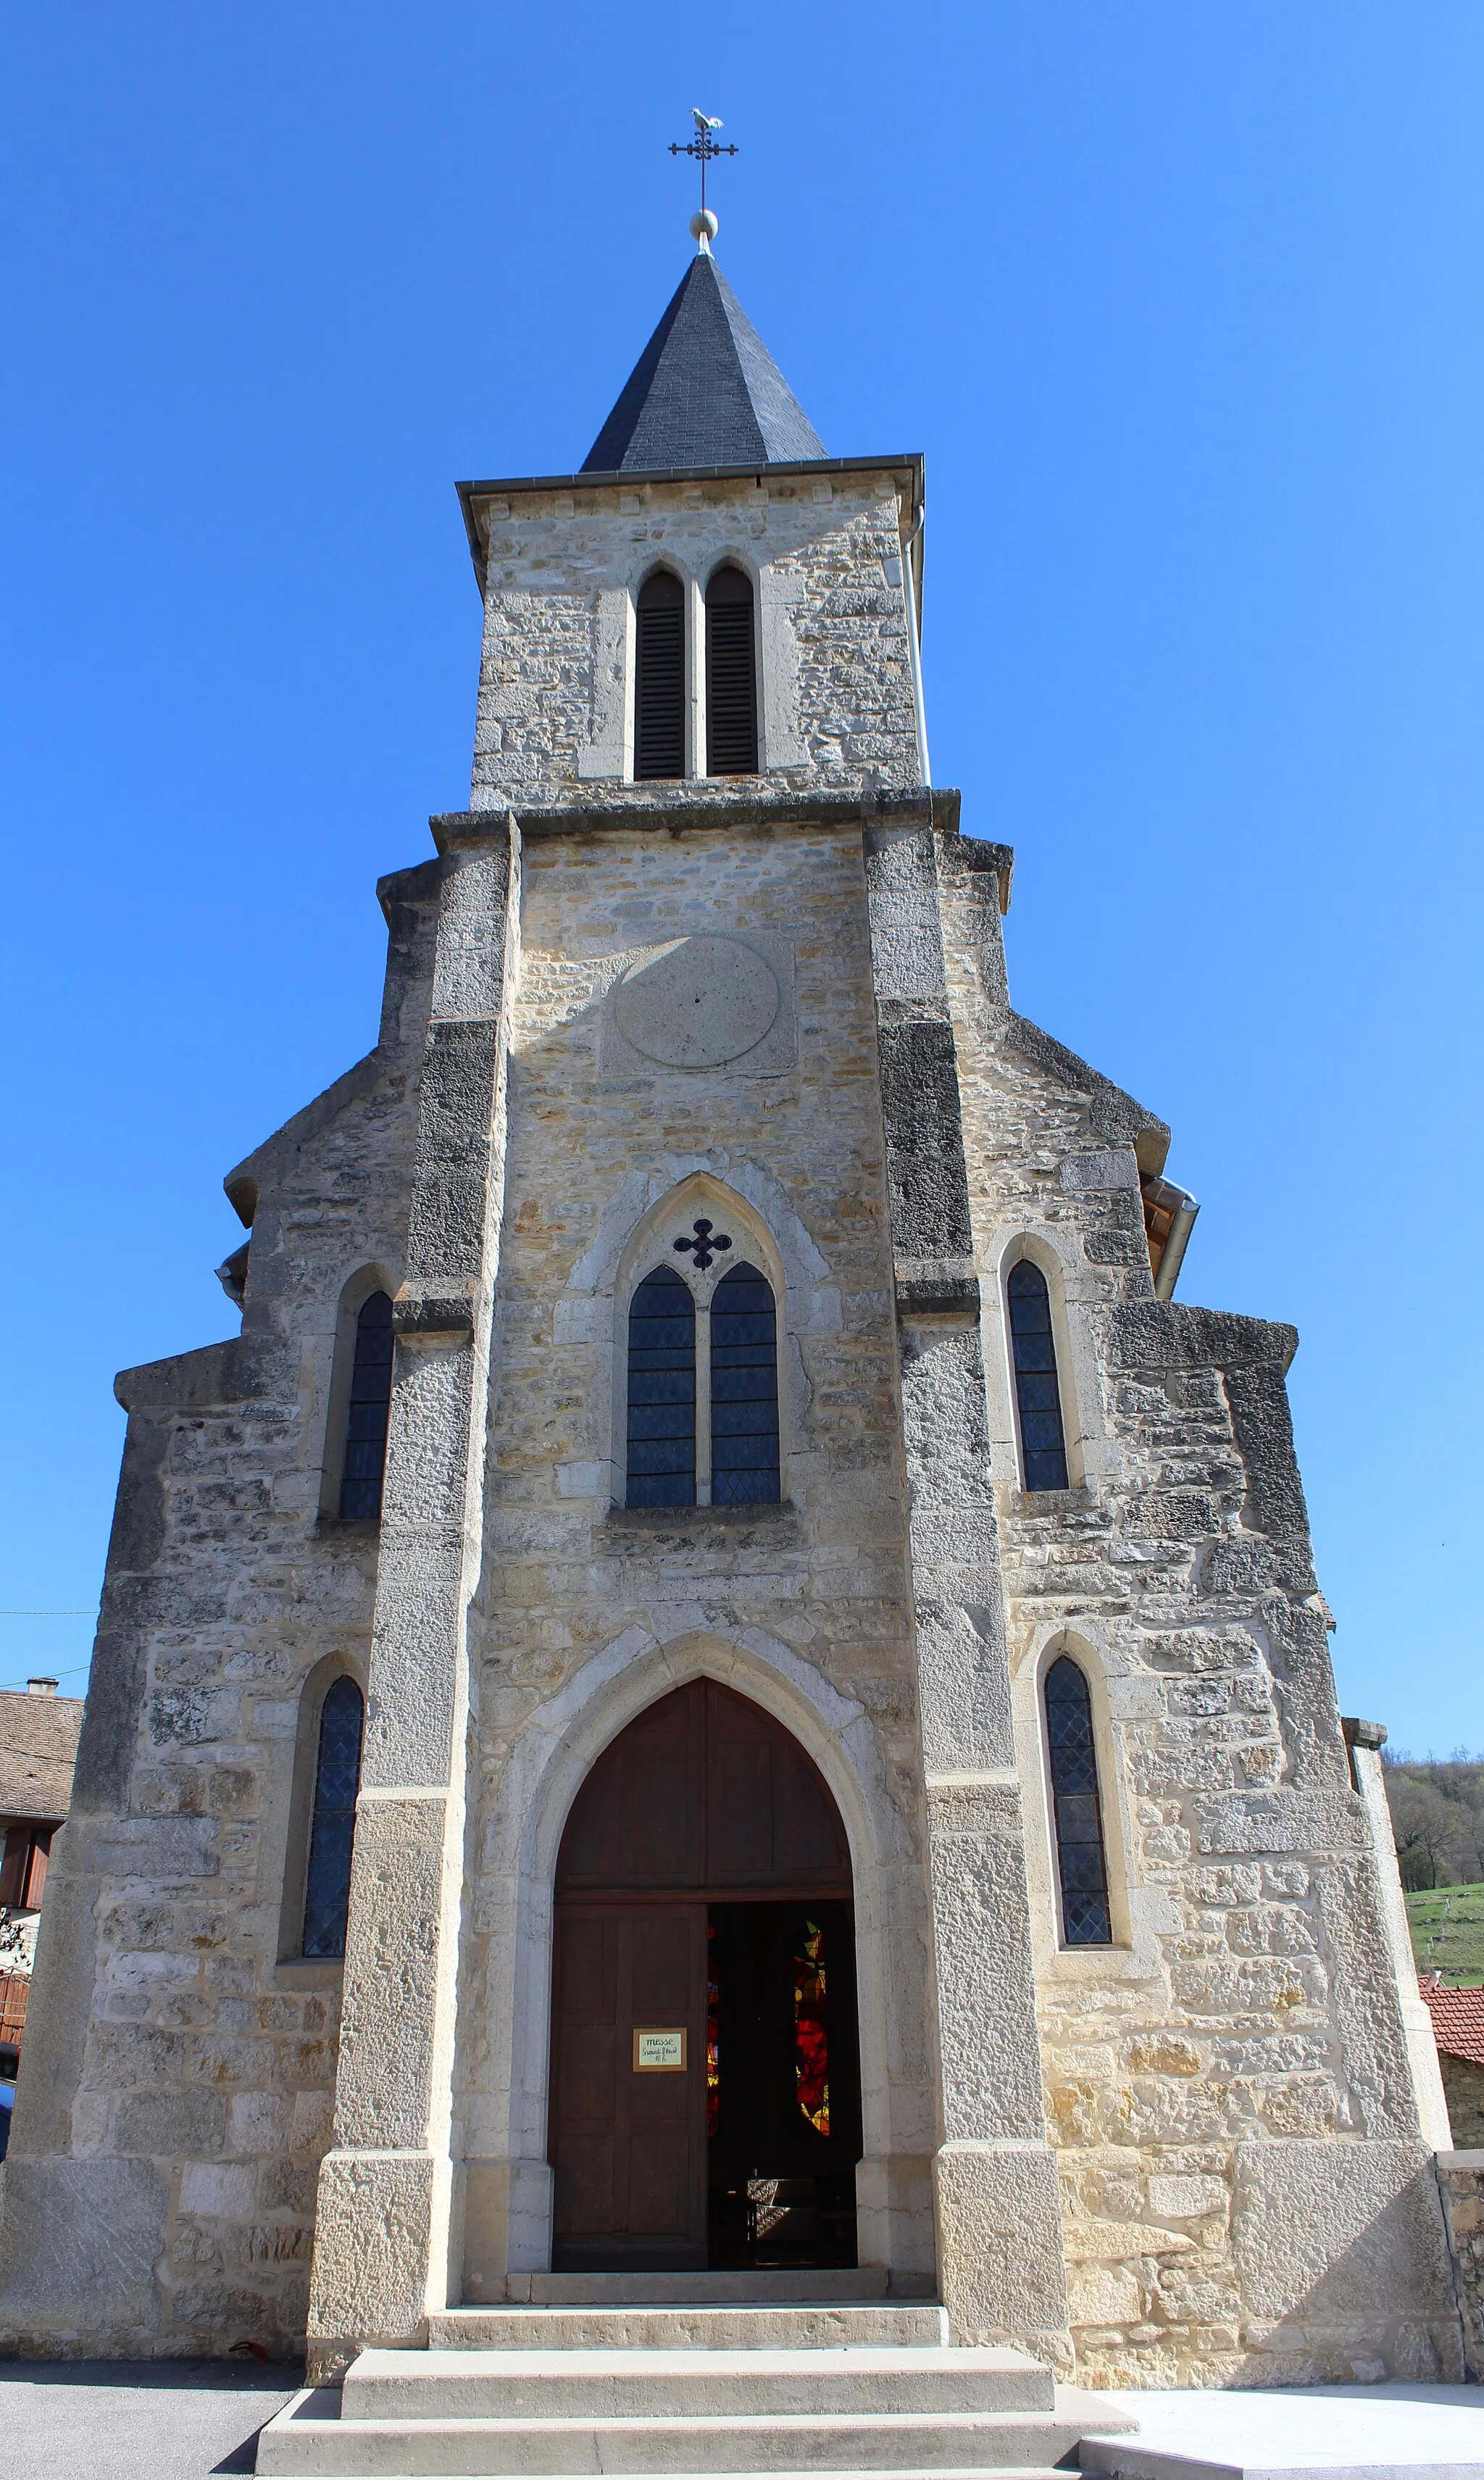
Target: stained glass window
<point x="1043" y="1446"/>
<point x="366" y="1423"/>
<point x="1081" y="1863"/>
<point x="337" y="1778"/>
<point x="744" y="1390"/>
<point x="662" y="1392"/>
<point x="811" y="2031"/>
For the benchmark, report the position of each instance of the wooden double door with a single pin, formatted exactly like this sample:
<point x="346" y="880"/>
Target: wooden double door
<point x="706" y="2093"/>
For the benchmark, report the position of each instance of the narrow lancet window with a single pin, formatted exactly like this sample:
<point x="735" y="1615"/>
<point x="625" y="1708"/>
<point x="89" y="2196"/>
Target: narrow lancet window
<point x="1082" y="1866"/>
<point x="371" y="1397"/>
<point x="744" y="1390"/>
<point x="1038" y="1396"/>
<point x="662" y="1392"/>
<point x="332" y="1831"/>
<point x="731" y="675"/>
<point x="659" y="678"/>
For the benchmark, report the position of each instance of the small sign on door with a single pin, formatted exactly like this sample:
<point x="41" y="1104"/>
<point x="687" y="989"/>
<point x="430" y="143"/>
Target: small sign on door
<point x="660" y="2052"/>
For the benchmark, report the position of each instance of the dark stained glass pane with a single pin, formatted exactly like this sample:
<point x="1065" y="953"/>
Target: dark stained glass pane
<point x="744" y="1390"/>
<point x="1038" y="1396"/>
<point x="366" y="1422"/>
<point x="662" y="1393"/>
<point x="1082" y="1866"/>
<point x="659" y="678"/>
<point x="337" y="1780"/>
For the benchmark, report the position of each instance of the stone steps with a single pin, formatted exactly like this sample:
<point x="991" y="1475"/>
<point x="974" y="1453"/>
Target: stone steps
<point x="296" y="2446"/>
<point x="693" y="2410"/>
<point x="890" y="2324"/>
<point x="651" y="2384"/>
<point x="839" y="2283"/>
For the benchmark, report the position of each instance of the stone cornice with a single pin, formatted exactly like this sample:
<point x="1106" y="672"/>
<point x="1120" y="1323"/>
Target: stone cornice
<point x="691" y="812"/>
<point x="477" y="496"/>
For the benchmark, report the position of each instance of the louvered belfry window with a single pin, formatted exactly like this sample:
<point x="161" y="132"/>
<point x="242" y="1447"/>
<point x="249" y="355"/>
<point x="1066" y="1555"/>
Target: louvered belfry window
<point x="366" y="1421"/>
<point x="1038" y="1396"/>
<point x="731" y="675"/>
<point x="662" y="1392"/>
<point x="744" y="1390"/>
<point x="659" y="678"/>
<point x="1082" y="1866"/>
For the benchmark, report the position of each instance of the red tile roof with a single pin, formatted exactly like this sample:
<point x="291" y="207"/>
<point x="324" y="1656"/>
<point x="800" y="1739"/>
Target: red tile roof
<point x="37" y="1751"/>
<point x="1457" y="2018"/>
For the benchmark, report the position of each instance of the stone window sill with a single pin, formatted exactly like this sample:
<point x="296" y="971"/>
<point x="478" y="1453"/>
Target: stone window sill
<point x="347" y="1528"/>
<point x="1052" y="1502"/>
<point x="309" y="1972"/>
<point x="694" y="1523"/>
<point x="1096" y="1963"/>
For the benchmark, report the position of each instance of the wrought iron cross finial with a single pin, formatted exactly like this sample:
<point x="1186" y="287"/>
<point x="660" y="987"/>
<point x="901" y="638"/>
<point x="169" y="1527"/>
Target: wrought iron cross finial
<point x="703" y="1242"/>
<point x="705" y="150"/>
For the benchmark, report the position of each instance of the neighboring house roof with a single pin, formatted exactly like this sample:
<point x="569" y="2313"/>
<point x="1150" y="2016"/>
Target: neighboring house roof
<point x="1457" y="2018"/>
<point x="38" y="1752"/>
<point x="704" y="391"/>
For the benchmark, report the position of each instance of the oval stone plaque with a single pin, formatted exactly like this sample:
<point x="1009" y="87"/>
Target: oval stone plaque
<point x="698" y="1003"/>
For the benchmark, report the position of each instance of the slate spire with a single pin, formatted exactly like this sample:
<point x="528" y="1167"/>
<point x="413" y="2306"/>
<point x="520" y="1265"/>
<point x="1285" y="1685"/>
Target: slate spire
<point x="704" y="391"/>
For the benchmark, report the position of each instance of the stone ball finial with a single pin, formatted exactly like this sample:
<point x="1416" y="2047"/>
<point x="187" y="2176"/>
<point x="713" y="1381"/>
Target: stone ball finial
<point x="704" y="228"/>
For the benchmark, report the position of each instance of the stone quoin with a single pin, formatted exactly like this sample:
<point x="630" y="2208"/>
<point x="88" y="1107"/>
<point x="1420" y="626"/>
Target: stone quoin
<point x="662" y="1647"/>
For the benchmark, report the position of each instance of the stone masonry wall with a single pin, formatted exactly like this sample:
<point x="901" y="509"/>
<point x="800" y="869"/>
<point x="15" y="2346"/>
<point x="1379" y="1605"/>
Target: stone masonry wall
<point x="839" y="703"/>
<point x="1246" y="2198"/>
<point x="178" y="2079"/>
<point x="1461" y="2182"/>
<point x="804" y="1601"/>
<point x="1462" y="2083"/>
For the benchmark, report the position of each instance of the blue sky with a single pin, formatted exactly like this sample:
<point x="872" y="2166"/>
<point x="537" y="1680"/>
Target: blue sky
<point x="1182" y="302"/>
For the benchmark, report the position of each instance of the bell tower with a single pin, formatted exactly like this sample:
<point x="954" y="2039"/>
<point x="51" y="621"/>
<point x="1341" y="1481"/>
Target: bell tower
<point x="707" y="482"/>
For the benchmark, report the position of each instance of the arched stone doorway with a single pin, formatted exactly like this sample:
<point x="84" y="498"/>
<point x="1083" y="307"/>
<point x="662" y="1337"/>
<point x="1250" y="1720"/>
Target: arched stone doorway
<point x="705" y="2080"/>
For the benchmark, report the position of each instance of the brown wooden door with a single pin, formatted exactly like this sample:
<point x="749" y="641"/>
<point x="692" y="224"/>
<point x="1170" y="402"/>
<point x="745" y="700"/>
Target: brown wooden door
<point x="628" y="2147"/>
<point x="703" y="1799"/>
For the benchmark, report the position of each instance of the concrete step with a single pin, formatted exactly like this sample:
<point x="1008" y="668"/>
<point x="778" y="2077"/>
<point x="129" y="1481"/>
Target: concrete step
<point x="881" y="2324"/>
<point x="679" y="2290"/>
<point x="306" y="2441"/>
<point x="691" y="2385"/>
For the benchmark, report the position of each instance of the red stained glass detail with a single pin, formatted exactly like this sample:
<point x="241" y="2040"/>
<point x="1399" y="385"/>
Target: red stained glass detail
<point x="811" y="2038"/>
<point x="713" y="2042"/>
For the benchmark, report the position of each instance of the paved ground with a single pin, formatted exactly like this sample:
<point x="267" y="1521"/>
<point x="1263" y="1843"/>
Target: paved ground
<point x="1323" y="2429"/>
<point x="134" y="2420"/>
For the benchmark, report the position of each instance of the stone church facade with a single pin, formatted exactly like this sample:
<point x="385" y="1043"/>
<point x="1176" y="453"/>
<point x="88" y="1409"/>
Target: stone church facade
<point x="1016" y="1591"/>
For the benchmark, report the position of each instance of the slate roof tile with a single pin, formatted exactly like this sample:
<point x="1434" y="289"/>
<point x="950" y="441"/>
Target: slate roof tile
<point x="704" y="391"/>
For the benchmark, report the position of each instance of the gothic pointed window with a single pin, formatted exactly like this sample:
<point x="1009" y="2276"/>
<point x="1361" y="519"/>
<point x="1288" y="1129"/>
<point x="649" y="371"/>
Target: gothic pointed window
<point x="366" y="1421"/>
<point x="744" y="1390"/>
<point x="332" y="1830"/>
<point x="1082" y="1866"/>
<point x="662" y="1392"/>
<point x="659" y="678"/>
<point x="731" y="675"/>
<point x="1038" y="1395"/>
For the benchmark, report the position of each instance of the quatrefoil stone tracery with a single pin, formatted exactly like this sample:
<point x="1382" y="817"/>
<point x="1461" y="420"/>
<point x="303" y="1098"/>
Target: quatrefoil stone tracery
<point x="703" y="1242"/>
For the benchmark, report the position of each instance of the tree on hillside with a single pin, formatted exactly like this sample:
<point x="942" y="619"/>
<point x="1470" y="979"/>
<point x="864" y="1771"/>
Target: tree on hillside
<point x="1437" y="1810"/>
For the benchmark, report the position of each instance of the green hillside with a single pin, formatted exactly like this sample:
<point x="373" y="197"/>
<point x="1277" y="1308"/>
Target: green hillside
<point x="1447" y="1933"/>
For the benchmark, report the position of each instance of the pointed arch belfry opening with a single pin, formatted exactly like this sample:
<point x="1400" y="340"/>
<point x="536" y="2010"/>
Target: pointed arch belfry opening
<point x="659" y="678"/>
<point x="705" y="2084"/>
<point x="731" y="674"/>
